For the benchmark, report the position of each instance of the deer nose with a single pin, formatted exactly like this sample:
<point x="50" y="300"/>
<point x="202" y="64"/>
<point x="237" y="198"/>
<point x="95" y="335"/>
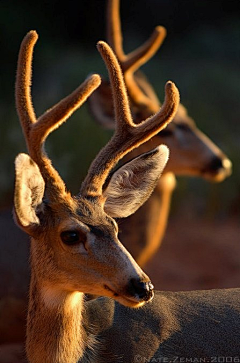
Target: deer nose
<point x="227" y="164"/>
<point x="216" y="164"/>
<point x="143" y="290"/>
<point x="220" y="163"/>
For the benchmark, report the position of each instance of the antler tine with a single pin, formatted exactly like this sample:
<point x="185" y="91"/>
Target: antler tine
<point x="23" y="82"/>
<point x="114" y="31"/>
<point x="36" y="131"/>
<point x="120" y="97"/>
<point x="134" y="60"/>
<point x="114" y="36"/>
<point x="127" y="135"/>
<point x="142" y="54"/>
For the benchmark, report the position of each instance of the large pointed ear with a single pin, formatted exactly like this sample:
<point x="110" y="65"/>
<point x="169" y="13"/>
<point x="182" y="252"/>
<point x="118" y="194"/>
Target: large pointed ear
<point x="132" y="184"/>
<point x="29" y="190"/>
<point x="101" y="106"/>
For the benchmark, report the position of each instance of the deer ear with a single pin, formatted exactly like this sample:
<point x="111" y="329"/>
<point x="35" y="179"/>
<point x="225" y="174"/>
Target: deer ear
<point x="29" y="190"/>
<point x="101" y="106"/>
<point x="132" y="184"/>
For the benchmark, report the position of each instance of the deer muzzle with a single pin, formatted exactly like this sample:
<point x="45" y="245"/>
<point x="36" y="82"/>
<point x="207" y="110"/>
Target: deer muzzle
<point x="142" y="290"/>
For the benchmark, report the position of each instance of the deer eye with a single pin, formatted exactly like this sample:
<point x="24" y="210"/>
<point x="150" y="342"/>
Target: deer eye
<point x="73" y="237"/>
<point x="183" y="127"/>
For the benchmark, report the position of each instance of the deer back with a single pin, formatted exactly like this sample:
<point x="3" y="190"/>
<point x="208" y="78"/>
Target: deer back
<point x="175" y="325"/>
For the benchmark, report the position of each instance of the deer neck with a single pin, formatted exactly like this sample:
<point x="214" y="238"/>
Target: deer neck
<point x="55" y="331"/>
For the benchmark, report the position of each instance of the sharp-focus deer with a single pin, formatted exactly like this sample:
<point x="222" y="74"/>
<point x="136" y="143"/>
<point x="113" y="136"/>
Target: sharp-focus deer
<point x="75" y="249"/>
<point x="191" y="152"/>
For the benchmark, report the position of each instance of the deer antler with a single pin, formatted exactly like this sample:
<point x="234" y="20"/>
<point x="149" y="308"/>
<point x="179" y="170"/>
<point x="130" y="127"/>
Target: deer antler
<point x="127" y="135"/>
<point x="37" y="130"/>
<point x="134" y="60"/>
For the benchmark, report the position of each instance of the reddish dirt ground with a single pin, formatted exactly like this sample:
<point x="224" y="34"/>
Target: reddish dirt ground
<point x="195" y="254"/>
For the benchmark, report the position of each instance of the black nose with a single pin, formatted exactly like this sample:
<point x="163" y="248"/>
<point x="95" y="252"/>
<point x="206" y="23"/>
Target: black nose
<point x="143" y="290"/>
<point x="216" y="164"/>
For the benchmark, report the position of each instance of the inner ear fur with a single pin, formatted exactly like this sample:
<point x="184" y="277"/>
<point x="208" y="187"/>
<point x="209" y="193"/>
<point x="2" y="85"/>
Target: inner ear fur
<point x="132" y="184"/>
<point x="29" y="191"/>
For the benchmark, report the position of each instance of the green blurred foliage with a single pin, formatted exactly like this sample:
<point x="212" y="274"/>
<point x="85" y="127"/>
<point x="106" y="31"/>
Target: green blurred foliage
<point x="200" y="54"/>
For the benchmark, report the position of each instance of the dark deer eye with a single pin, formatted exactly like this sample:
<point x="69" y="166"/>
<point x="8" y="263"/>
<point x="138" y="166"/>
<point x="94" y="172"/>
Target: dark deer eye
<point x="183" y="127"/>
<point x="73" y="237"/>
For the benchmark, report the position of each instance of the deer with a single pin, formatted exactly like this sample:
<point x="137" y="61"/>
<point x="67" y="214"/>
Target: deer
<point x="192" y="153"/>
<point x="75" y="250"/>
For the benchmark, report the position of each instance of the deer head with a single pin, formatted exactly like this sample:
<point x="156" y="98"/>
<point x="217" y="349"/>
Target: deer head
<point x="74" y="243"/>
<point x="192" y="152"/>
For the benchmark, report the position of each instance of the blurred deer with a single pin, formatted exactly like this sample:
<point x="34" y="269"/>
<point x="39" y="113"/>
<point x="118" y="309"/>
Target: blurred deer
<point x="191" y="151"/>
<point x="75" y="249"/>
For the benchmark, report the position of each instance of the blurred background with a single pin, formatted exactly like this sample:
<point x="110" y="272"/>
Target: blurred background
<point x="201" y="54"/>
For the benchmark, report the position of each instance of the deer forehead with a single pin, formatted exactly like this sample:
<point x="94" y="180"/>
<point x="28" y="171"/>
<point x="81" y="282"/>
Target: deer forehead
<point x="182" y="117"/>
<point x="81" y="214"/>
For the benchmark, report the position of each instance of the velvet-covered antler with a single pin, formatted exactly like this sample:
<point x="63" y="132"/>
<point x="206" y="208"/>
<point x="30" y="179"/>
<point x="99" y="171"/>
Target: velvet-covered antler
<point x="134" y="60"/>
<point x="37" y="130"/>
<point x="128" y="135"/>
